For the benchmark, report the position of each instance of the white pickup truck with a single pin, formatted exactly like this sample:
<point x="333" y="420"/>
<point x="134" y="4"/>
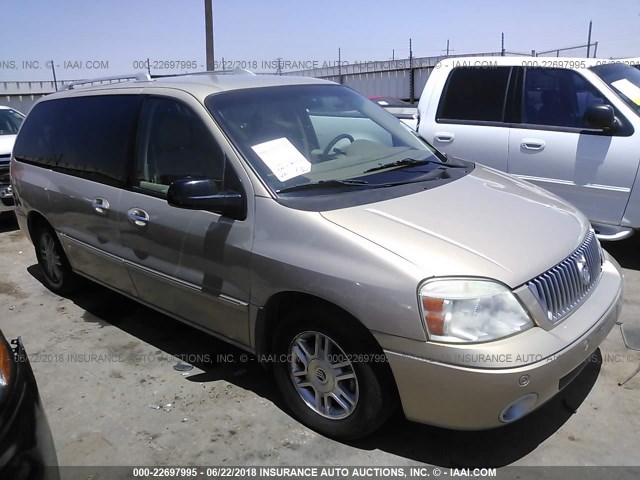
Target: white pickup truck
<point x="569" y="125"/>
<point x="10" y="121"/>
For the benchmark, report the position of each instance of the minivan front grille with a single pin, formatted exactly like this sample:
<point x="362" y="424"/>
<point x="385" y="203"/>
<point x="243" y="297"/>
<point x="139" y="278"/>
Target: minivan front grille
<point x="562" y="288"/>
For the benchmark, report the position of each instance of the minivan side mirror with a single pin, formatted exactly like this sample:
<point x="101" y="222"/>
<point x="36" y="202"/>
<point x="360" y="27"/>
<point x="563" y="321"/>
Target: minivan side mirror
<point x="203" y="194"/>
<point x="600" y="116"/>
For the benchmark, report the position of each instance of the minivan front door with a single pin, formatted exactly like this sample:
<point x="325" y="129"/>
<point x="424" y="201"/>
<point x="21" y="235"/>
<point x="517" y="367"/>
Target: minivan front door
<point x="554" y="148"/>
<point x="192" y="264"/>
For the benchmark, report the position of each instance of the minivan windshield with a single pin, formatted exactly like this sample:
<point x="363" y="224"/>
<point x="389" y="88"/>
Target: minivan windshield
<point x="321" y="139"/>
<point x="10" y="121"/>
<point x="623" y="80"/>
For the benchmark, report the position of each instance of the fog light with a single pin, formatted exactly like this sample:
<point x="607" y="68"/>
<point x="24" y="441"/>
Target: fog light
<point x="519" y="408"/>
<point x="6" y="192"/>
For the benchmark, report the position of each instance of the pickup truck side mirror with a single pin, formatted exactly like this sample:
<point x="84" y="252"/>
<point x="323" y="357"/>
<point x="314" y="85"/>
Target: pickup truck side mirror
<point x="600" y="116"/>
<point x="203" y="194"/>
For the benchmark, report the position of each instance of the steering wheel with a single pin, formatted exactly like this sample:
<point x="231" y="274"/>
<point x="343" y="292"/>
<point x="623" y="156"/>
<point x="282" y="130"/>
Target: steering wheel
<point x="333" y="142"/>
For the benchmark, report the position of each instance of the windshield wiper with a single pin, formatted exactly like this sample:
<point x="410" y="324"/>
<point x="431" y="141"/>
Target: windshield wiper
<point x="323" y="184"/>
<point x="410" y="162"/>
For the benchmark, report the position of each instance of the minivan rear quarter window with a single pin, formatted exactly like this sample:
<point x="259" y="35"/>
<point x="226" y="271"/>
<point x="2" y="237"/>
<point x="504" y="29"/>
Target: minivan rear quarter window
<point x="474" y="93"/>
<point x="89" y="137"/>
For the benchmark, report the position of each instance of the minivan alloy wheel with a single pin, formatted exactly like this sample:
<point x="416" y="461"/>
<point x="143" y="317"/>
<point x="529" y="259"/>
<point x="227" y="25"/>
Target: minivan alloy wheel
<point x="58" y="275"/>
<point x="50" y="256"/>
<point x="323" y="375"/>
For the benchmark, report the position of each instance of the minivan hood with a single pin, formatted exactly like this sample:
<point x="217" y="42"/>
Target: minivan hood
<point x="6" y="144"/>
<point x="486" y="224"/>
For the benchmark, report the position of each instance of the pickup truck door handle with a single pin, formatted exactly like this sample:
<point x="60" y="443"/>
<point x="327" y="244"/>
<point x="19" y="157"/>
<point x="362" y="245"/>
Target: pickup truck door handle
<point x="138" y="217"/>
<point x="444" y="137"/>
<point x="100" y="205"/>
<point x="532" y="144"/>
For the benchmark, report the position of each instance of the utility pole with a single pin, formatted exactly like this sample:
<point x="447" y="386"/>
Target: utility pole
<point x="279" y="70"/>
<point x="55" y="80"/>
<point x="208" y="31"/>
<point x="412" y="97"/>
<point x="589" y="40"/>
<point x="502" y="45"/>
<point x="448" y="49"/>
<point x="339" y="66"/>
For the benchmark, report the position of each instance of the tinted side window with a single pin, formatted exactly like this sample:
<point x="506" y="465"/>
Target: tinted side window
<point x="557" y="97"/>
<point x="475" y="94"/>
<point x="90" y="137"/>
<point x="174" y="145"/>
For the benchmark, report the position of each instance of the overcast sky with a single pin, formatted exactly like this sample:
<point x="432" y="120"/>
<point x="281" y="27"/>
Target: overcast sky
<point x="113" y="36"/>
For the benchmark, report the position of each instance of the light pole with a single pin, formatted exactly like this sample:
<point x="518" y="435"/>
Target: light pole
<point x="208" y="31"/>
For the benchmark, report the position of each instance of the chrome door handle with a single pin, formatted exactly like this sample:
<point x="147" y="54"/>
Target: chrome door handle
<point x="532" y="144"/>
<point x="138" y="217"/>
<point x="444" y="137"/>
<point x="101" y="206"/>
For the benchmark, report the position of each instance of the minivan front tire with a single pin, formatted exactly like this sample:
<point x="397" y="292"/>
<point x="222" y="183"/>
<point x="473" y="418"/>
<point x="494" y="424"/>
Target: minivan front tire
<point x="331" y="378"/>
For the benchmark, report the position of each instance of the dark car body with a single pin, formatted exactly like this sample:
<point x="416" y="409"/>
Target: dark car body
<point x="27" y="451"/>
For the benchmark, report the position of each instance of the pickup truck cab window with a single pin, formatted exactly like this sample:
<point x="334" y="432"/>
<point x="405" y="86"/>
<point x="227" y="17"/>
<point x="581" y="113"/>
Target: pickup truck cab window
<point x="557" y="97"/>
<point x="474" y="93"/>
<point x="10" y="121"/>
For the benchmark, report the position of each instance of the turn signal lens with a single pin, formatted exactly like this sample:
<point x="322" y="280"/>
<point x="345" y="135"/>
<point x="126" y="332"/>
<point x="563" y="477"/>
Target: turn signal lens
<point x="434" y="315"/>
<point x="6" y="364"/>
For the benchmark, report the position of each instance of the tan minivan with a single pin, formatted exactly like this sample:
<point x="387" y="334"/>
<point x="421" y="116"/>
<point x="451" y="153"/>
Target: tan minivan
<point x="303" y="223"/>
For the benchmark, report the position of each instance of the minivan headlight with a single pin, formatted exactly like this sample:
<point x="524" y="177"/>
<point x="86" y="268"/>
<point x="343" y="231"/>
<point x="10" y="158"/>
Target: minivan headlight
<point x="470" y="310"/>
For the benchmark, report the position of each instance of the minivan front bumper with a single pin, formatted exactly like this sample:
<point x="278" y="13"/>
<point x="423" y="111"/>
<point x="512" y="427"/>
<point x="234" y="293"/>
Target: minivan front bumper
<point x="468" y="397"/>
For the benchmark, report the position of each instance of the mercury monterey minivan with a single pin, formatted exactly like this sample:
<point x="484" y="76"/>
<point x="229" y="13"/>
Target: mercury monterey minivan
<point x="303" y="223"/>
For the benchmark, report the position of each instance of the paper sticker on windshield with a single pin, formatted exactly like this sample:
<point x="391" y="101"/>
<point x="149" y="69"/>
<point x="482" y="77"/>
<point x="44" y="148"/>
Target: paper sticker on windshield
<point x="282" y="158"/>
<point x="628" y="89"/>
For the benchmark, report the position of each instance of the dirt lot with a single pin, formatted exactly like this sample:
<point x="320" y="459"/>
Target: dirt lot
<point x="105" y="370"/>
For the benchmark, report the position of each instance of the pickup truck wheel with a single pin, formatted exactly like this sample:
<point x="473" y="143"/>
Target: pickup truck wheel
<point x="57" y="274"/>
<point x="329" y="381"/>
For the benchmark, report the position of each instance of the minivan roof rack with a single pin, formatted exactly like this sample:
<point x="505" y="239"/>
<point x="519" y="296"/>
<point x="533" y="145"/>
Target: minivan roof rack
<point x="235" y="71"/>
<point x="142" y="77"/>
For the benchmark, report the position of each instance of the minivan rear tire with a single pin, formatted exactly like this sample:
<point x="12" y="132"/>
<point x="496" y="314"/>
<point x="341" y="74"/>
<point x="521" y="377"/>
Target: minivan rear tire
<point x="57" y="274"/>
